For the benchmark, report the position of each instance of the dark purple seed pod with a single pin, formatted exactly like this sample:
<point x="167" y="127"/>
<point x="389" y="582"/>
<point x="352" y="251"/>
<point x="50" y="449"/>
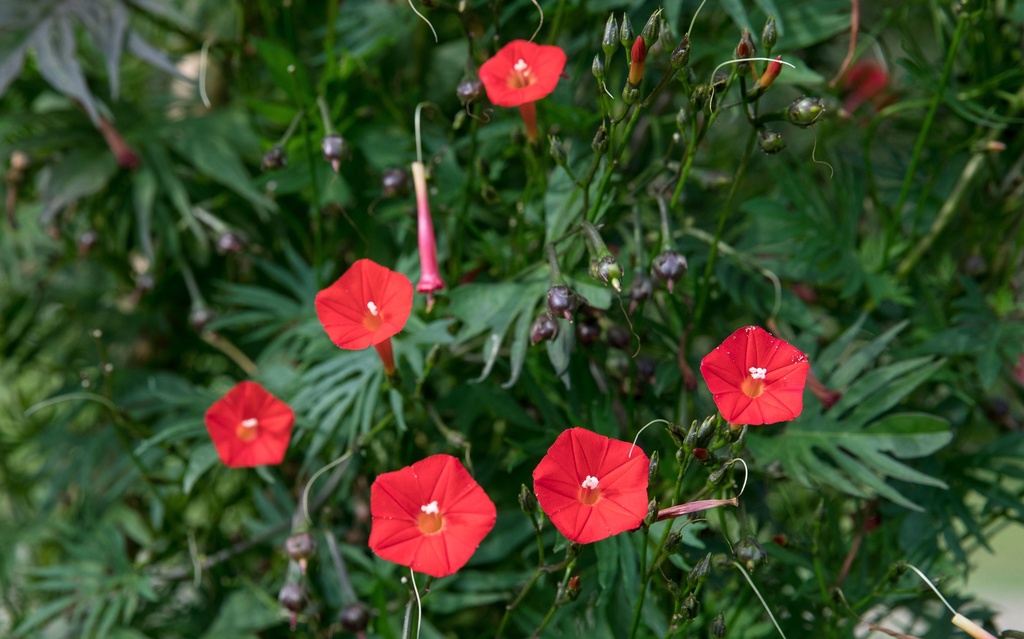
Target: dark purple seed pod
<point x="86" y="241"/>
<point x="335" y="149"/>
<point x="274" y="159"/>
<point x="300" y="546"/>
<point x="669" y="267"/>
<point x="394" y="183"/>
<point x="292" y="596"/>
<point x="230" y="242"/>
<point x="588" y="331"/>
<point x="640" y="291"/>
<point x="469" y="89"/>
<point x="750" y="553"/>
<point x="618" y="337"/>
<point x="200" y="317"/>
<point x="563" y="301"/>
<point x="354" y="618"/>
<point x="545" y="327"/>
<point x="645" y="368"/>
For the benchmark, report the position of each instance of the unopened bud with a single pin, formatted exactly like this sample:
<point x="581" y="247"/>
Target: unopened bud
<point x="669" y="266"/>
<point x="572" y="589"/>
<point x="527" y="502"/>
<point x="600" y="143"/>
<point x="718" y="476"/>
<point x="638" y="58"/>
<point x="706" y="457"/>
<point x="607" y="270"/>
<point x="769" y="75"/>
<point x="700" y="572"/>
<point x="652" y="467"/>
<point x="678" y="435"/>
<point x="557" y="150"/>
<point x="469" y="89"/>
<point x="706" y="431"/>
<point x="769" y="35"/>
<point x="690" y="441"/>
<point x="544" y="327"/>
<point x="274" y="159"/>
<point x="745" y="49"/>
<point x="718" y="629"/>
<point x="681" y="54"/>
<point x="652" y="30"/>
<point x="673" y="541"/>
<point x="626" y="31"/>
<point x="563" y="301"/>
<point x="652" y="513"/>
<point x="610" y="41"/>
<point x="771" y="142"/>
<point x="804" y="111"/>
<point x="597" y="68"/>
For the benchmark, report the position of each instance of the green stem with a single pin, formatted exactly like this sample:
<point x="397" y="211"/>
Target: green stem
<point x="922" y="137"/>
<point x="644" y="579"/>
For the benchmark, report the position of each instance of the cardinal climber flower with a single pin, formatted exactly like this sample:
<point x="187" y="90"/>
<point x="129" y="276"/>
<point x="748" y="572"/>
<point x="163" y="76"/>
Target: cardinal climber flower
<point x="592" y="486"/>
<point x="521" y="73"/>
<point x="249" y="426"/>
<point x="430" y="516"/>
<point x="756" y="378"/>
<point x="366" y="306"/>
<point x="430" y="278"/>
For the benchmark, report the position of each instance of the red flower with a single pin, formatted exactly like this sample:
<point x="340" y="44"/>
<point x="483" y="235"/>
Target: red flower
<point x="521" y="73"/>
<point x="866" y="82"/>
<point x="430" y="516"/>
<point x="430" y="277"/>
<point x="365" y="307"/>
<point x="249" y="426"/>
<point x="755" y="378"/>
<point x="591" y="487"/>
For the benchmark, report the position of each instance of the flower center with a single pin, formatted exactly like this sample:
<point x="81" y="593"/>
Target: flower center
<point x="372" y="320"/>
<point x="430" y="520"/>
<point x="247" y="429"/>
<point x="521" y="76"/>
<point x="589" y="491"/>
<point x="753" y="385"/>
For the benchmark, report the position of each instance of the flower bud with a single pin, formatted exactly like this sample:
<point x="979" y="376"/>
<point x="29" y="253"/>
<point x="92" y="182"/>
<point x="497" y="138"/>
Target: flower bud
<point x="771" y="142"/>
<point x="588" y="331"/>
<point x="652" y="513"/>
<point x="638" y="58"/>
<point x="769" y="35"/>
<point x="610" y="41"/>
<point x="563" y="301"/>
<point x="335" y="149"/>
<point x="718" y="625"/>
<point x="527" y="502"/>
<point x="769" y="75"/>
<point x="804" y="111"/>
<point x="545" y="327"/>
<point x="706" y="457"/>
<point x="394" y="183"/>
<point x="273" y="159"/>
<point x="652" y="467"/>
<point x="652" y="30"/>
<point x="673" y="541"/>
<point x="354" y="618"/>
<point x="626" y="31"/>
<point x="640" y="291"/>
<point x="669" y="267"/>
<point x="572" y="590"/>
<point x="718" y="476"/>
<point x="607" y="270"/>
<point x="597" y="68"/>
<point x="700" y="572"/>
<point x="469" y="89"/>
<point x="557" y="150"/>
<point x="681" y="54"/>
<point x="678" y="435"/>
<point x="600" y="143"/>
<point x="745" y="49"/>
<point x="750" y="553"/>
<point x="690" y="441"/>
<point x="300" y="547"/>
<point x="706" y="431"/>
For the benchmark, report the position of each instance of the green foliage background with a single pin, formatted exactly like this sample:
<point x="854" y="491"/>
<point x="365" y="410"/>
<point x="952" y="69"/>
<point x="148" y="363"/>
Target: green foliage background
<point x="885" y="243"/>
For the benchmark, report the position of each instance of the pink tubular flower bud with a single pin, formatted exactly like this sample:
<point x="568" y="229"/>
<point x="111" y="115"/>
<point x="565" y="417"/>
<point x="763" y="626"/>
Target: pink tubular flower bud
<point x="638" y="57"/>
<point x="772" y="72"/>
<point x="430" y="278"/>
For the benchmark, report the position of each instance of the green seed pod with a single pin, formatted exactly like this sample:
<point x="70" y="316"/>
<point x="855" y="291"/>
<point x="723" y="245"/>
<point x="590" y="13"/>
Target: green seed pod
<point x="700" y="571"/>
<point x="804" y="111"/>
<point x="691" y="607"/>
<point x="600" y="143"/>
<point x="610" y="41"/>
<point x="606" y="269"/>
<point x="750" y="553"/>
<point x="681" y="54"/>
<point x="557" y="150"/>
<point x="771" y="142"/>
<point x="630" y="94"/>
<point x="718" y="627"/>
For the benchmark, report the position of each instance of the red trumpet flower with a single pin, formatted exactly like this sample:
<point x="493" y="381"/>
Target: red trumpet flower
<point x="430" y="516"/>
<point x="521" y="73"/>
<point x="249" y="426"/>
<point x="366" y="307"/>
<point x="756" y="378"/>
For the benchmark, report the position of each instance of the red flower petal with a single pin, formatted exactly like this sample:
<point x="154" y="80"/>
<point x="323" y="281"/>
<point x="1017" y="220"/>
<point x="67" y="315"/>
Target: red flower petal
<point x="347" y="308"/>
<point x="756" y="378"/>
<point x="402" y="504"/>
<point x="522" y="72"/>
<point x="615" y="501"/>
<point x="249" y="426"/>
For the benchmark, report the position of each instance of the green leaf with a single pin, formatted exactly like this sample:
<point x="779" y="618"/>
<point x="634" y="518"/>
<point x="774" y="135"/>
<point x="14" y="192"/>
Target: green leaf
<point x="848" y="370"/>
<point x="244" y="613"/>
<point x="80" y="173"/>
<point x="202" y="459"/>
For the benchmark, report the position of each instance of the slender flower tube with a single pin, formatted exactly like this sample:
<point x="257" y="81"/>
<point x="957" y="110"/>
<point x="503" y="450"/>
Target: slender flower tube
<point x="430" y="278"/>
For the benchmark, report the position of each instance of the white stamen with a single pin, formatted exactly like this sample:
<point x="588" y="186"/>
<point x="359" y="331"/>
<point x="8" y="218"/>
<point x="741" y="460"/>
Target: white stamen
<point x="252" y="422"/>
<point x="431" y="508"/>
<point x="373" y="308"/>
<point x="521" y="66"/>
<point x="758" y="373"/>
<point x="590" y="482"/>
